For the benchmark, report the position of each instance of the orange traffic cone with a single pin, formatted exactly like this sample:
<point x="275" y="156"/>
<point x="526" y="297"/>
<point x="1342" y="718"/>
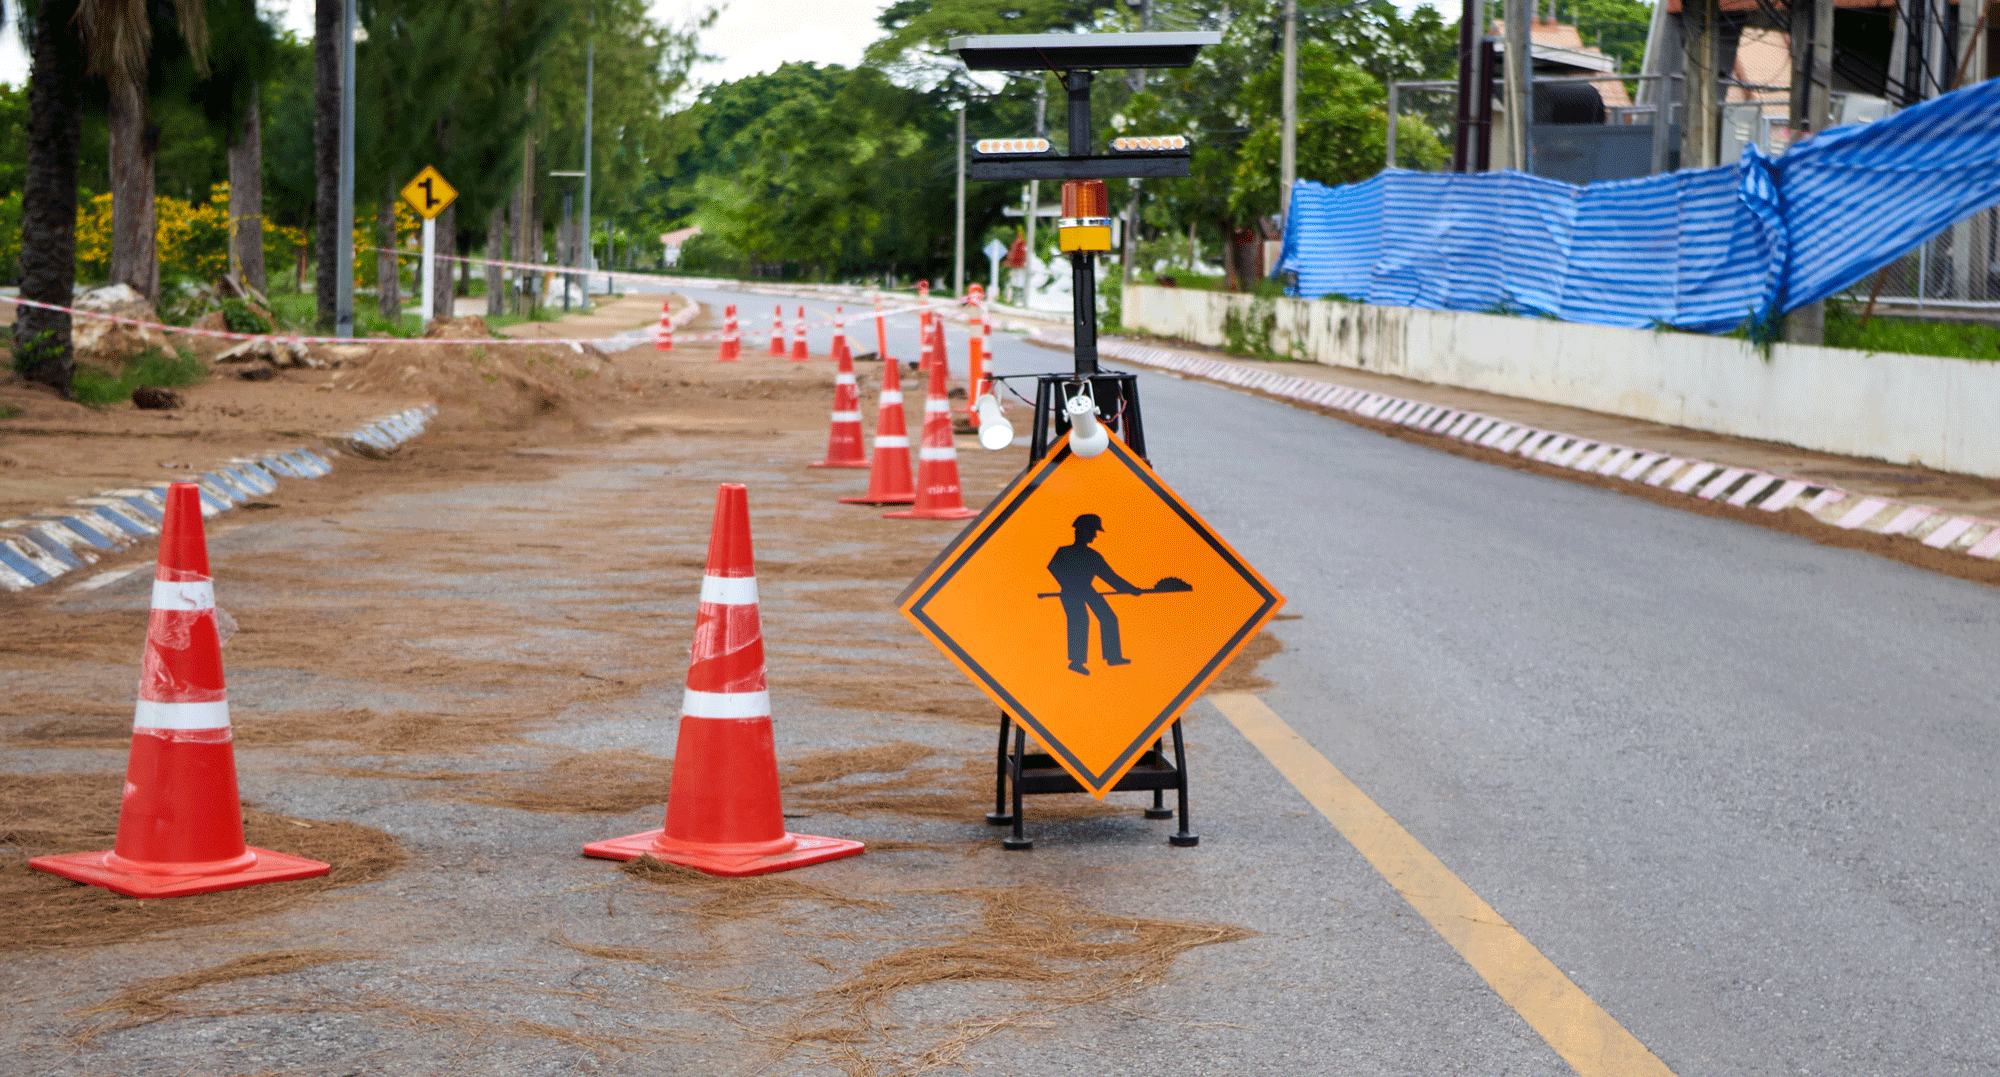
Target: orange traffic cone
<point x="938" y="493"/>
<point x="924" y="326"/>
<point x="843" y="439"/>
<point x="724" y="815"/>
<point x="732" y="344"/>
<point x="881" y="334"/>
<point x="180" y="829"/>
<point x="665" y="341"/>
<point x="840" y="348"/>
<point x="778" y="330"/>
<point x="799" y="352"/>
<point x="975" y="374"/>
<point x="889" y="474"/>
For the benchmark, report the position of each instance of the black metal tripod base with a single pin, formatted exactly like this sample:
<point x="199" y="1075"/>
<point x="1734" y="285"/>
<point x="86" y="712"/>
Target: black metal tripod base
<point x="1018" y="773"/>
<point x="1184" y="841"/>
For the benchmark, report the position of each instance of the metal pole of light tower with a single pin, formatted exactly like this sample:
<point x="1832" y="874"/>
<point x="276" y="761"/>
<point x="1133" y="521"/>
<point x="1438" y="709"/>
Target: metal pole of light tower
<point x="1288" y="142"/>
<point x="344" y="260"/>
<point x="958" y="248"/>
<point x="1083" y="272"/>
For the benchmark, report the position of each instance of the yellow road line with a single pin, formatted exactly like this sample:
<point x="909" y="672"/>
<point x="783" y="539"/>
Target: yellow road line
<point x="1590" y="1040"/>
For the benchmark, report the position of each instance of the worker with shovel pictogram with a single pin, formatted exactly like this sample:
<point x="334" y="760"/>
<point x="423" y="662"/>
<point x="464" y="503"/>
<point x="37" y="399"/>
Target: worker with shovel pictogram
<point x="1077" y="568"/>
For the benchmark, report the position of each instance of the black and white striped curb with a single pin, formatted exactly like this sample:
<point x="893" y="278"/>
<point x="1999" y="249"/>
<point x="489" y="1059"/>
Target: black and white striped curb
<point x="1709" y="481"/>
<point x="46" y="545"/>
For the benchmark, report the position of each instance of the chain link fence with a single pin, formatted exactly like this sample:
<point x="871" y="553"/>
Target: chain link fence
<point x="1953" y="273"/>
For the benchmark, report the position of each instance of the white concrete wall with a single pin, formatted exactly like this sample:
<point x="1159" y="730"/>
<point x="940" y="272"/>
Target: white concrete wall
<point x="1906" y="409"/>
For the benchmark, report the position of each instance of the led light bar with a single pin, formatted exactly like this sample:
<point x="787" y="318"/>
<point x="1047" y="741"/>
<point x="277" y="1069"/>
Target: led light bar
<point x="1150" y="144"/>
<point x="1012" y="145"/>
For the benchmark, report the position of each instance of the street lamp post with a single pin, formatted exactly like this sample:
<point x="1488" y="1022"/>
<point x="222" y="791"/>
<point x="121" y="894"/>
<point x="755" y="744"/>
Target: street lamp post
<point x="344" y="246"/>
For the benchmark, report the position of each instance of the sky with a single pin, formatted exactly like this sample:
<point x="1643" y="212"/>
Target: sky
<point x="751" y="35"/>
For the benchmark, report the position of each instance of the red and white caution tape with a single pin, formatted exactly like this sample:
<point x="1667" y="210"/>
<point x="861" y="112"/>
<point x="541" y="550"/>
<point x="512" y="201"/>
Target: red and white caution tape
<point x="283" y="338"/>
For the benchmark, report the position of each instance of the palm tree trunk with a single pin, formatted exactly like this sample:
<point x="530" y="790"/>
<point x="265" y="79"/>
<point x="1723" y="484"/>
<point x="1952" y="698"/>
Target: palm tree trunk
<point x="48" y="213"/>
<point x="327" y="24"/>
<point x="135" y="145"/>
<point x="388" y="275"/>
<point x="496" y="250"/>
<point x="246" y="199"/>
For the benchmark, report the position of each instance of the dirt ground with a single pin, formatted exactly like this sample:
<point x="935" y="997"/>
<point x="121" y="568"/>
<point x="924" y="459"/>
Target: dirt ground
<point x="454" y="666"/>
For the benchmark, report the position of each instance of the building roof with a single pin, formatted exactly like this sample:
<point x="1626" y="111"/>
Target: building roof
<point x="680" y="235"/>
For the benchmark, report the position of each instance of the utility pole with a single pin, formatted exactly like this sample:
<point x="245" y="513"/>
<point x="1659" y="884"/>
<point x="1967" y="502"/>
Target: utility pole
<point x="1288" y="139"/>
<point x="1519" y="68"/>
<point x="1035" y="188"/>
<point x="1128" y="254"/>
<point x="958" y="248"/>
<point x="344" y="242"/>
<point x="589" y="92"/>
<point x="1812" y="75"/>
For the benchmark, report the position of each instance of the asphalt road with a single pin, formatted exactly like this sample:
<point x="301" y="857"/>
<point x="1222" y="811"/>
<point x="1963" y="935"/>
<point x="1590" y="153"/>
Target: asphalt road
<point x="1740" y="787"/>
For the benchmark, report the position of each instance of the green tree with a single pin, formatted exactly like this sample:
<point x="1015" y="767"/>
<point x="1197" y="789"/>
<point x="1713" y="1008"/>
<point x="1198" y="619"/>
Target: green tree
<point x="1342" y="131"/>
<point x="1616" y="26"/>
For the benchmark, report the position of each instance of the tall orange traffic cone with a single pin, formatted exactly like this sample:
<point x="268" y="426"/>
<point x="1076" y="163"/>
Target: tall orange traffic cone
<point x="938" y="493"/>
<point x="724" y="815"/>
<point x="843" y="439"/>
<point x="975" y="374"/>
<point x="778" y="330"/>
<point x="665" y="341"/>
<point x="924" y="326"/>
<point x="799" y="352"/>
<point x="889" y="474"/>
<point x="732" y="344"/>
<point x="180" y="828"/>
<point x="881" y="334"/>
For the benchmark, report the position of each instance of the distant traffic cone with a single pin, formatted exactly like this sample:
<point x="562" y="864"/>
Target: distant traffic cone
<point x="889" y="473"/>
<point x="843" y="439"/>
<point x="778" y="330"/>
<point x="180" y="828"/>
<point x="938" y="493"/>
<point x="799" y="352"/>
<point x="840" y="349"/>
<point x="724" y="815"/>
<point x="732" y="343"/>
<point x="665" y="341"/>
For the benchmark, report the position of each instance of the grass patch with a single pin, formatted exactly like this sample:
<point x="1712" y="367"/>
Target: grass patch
<point x="538" y="314"/>
<point x="1910" y="336"/>
<point x="9" y="411"/>
<point x="298" y="312"/>
<point x="99" y="387"/>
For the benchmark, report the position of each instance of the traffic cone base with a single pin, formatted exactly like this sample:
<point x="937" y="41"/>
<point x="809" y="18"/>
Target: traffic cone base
<point x="732" y="860"/>
<point x="130" y="877"/>
<point x="885" y="499"/>
<point x="960" y="513"/>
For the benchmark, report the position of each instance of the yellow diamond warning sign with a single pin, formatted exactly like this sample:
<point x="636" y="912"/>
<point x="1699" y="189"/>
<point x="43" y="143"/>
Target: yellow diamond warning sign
<point x="1093" y="605"/>
<point x="428" y="194"/>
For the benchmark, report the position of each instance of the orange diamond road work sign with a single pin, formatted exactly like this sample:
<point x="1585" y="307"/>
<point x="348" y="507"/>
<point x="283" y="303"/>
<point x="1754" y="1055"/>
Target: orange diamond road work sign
<point x="428" y="194"/>
<point x="1093" y="605"/>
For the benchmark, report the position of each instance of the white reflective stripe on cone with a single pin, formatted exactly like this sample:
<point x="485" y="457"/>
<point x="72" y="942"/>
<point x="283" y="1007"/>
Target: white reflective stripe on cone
<point x="152" y="715"/>
<point x="726" y="704"/>
<point x="843" y="379"/>
<point x="891" y="441"/>
<point x="945" y="453"/>
<point x="890" y="396"/>
<point x="729" y="590"/>
<point x="937" y="405"/>
<point x="847" y="416"/>
<point x="183" y="594"/>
